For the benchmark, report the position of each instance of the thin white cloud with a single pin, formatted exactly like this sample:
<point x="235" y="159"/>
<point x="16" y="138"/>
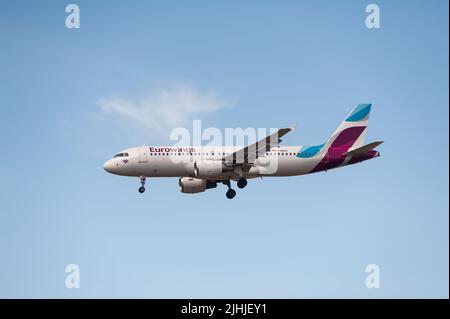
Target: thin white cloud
<point x="162" y="110"/>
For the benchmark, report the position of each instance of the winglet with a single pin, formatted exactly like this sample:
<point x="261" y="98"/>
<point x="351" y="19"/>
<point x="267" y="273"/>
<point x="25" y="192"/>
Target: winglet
<point x="293" y="127"/>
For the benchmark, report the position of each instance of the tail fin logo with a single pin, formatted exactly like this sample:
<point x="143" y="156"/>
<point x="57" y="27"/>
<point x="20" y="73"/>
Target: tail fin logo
<point x="360" y="113"/>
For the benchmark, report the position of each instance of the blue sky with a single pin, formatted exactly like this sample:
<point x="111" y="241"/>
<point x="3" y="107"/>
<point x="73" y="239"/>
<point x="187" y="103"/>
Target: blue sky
<point x="252" y="64"/>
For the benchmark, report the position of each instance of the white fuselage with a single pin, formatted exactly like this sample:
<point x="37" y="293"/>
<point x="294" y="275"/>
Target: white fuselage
<point x="169" y="161"/>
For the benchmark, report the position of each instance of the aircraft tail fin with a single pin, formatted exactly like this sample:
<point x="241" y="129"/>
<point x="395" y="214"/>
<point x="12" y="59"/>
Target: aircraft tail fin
<point x="351" y="133"/>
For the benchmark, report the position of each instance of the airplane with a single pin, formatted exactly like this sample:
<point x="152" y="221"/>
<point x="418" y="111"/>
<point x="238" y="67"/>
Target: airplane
<point x="204" y="167"/>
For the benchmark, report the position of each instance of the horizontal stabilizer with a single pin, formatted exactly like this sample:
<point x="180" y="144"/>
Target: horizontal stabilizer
<point x="364" y="149"/>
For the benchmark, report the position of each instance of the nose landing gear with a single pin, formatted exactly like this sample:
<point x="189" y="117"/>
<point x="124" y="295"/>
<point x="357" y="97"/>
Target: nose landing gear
<point x="142" y="188"/>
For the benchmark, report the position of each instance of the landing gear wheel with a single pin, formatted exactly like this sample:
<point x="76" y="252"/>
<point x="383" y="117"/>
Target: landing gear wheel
<point x="142" y="188"/>
<point x="242" y="183"/>
<point x="231" y="193"/>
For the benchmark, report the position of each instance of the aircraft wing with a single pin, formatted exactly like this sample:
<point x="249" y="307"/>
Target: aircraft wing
<point x="251" y="152"/>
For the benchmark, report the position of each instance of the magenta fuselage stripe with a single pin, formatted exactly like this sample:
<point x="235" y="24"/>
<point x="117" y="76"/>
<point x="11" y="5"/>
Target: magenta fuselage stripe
<point x="335" y="153"/>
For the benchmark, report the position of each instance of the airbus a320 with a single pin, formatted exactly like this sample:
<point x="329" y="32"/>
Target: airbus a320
<point x="204" y="167"/>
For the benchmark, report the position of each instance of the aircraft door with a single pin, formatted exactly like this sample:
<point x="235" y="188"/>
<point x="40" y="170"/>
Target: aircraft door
<point x="143" y="154"/>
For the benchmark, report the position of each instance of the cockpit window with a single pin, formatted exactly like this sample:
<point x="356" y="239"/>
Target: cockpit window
<point x="121" y="155"/>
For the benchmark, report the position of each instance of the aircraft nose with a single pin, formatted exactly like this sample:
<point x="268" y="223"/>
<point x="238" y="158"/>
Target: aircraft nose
<point x="108" y="166"/>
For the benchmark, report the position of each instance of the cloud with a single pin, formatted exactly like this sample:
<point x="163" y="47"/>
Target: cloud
<point x="162" y="110"/>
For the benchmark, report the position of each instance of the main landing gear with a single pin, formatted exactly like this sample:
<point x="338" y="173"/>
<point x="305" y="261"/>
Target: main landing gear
<point x="142" y="188"/>
<point x="231" y="193"/>
<point x="242" y="183"/>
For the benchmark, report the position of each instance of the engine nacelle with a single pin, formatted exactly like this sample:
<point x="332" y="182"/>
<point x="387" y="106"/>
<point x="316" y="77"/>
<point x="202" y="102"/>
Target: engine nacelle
<point x="262" y="161"/>
<point x="209" y="168"/>
<point x="192" y="185"/>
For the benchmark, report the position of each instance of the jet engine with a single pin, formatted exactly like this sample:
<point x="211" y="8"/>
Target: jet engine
<point x="205" y="169"/>
<point x="192" y="185"/>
